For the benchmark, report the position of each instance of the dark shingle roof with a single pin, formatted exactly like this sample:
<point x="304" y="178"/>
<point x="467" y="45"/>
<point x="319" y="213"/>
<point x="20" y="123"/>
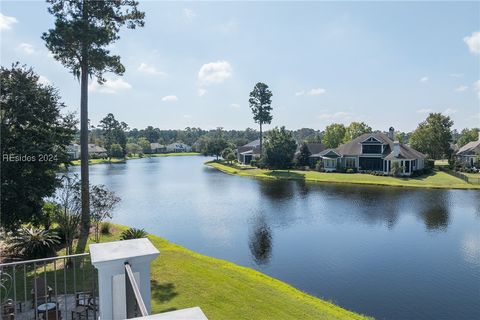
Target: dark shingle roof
<point x="471" y="147"/>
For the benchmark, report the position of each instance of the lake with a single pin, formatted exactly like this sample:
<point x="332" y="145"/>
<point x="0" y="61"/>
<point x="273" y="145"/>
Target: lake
<point x="391" y="253"/>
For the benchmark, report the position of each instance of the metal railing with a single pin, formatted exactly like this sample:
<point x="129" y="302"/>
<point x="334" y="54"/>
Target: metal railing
<point x="133" y="292"/>
<point x="51" y="289"/>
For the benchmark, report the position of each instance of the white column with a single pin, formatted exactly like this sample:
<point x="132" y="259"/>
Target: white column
<point x="109" y="259"/>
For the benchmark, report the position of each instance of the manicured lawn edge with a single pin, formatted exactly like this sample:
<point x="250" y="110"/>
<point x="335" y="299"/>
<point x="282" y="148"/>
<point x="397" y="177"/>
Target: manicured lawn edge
<point x="119" y="160"/>
<point x="437" y="180"/>
<point x="225" y="290"/>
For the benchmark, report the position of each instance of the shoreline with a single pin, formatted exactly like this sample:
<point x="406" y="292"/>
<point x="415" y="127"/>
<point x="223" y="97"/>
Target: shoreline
<point x="437" y="180"/>
<point x="120" y="160"/>
<point x="223" y="289"/>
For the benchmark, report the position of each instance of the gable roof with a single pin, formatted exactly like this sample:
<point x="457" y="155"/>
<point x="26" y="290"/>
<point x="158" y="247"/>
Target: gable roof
<point x="471" y="147"/>
<point x="326" y="153"/>
<point x="354" y="147"/>
<point x="313" y="147"/>
<point x="252" y="147"/>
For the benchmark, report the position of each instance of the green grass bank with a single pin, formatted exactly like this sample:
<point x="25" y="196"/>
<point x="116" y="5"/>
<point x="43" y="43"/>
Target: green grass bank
<point x="437" y="179"/>
<point x="182" y="278"/>
<point x="121" y="160"/>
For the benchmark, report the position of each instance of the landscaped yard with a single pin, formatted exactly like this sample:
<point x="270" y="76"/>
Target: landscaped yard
<point x="437" y="179"/>
<point x="182" y="278"/>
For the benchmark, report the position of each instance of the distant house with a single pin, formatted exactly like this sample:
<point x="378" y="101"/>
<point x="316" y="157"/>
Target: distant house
<point x="468" y="153"/>
<point x="248" y="152"/>
<point x="73" y="151"/>
<point x="96" y="151"/>
<point x="158" y="148"/>
<point x="372" y="152"/>
<point x="178" y="147"/>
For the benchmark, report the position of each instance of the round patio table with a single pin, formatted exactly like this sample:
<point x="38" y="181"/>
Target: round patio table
<point x="44" y="307"/>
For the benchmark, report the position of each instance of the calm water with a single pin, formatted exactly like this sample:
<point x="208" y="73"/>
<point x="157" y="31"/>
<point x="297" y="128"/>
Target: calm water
<point x="391" y="253"/>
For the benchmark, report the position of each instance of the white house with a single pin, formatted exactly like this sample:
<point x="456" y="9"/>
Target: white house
<point x="468" y="153"/>
<point x="178" y="147"/>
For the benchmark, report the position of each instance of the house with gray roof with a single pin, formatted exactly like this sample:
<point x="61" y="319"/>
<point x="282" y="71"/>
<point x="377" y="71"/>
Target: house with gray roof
<point x="468" y="153"/>
<point x="375" y="151"/>
<point x="248" y="152"/>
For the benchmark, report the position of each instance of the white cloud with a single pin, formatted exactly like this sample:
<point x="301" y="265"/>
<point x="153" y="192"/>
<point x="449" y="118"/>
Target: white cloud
<point x="341" y="115"/>
<point x="456" y="75"/>
<point x="189" y="14"/>
<point x="461" y="88"/>
<point x="317" y="92"/>
<point x="473" y="42"/>
<point x="110" y="86"/>
<point x="6" y="22"/>
<point x="424" y="79"/>
<point x="214" y="72"/>
<point x="147" y="69"/>
<point x="26" y="48"/>
<point x="424" y="110"/>
<point x="450" y="111"/>
<point x="311" y="92"/>
<point x="171" y="98"/>
<point x="44" y="80"/>
<point x="235" y="105"/>
<point x="201" y="92"/>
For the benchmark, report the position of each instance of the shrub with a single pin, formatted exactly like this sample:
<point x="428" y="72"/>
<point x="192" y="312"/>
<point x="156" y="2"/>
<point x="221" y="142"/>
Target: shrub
<point x="429" y="163"/>
<point x="133" y="233"/>
<point x="253" y="163"/>
<point x="33" y="243"/>
<point x="105" y="227"/>
<point x="350" y="170"/>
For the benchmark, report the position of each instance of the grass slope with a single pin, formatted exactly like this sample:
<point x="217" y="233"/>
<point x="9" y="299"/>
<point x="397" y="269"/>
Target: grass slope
<point x="121" y="160"/>
<point x="437" y="179"/>
<point x="182" y="278"/>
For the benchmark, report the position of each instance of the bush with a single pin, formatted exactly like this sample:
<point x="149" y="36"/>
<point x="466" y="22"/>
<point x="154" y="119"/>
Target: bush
<point x="253" y="163"/>
<point x="33" y="243"/>
<point x="350" y="170"/>
<point x="429" y="163"/>
<point x="105" y="227"/>
<point x="133" y="233"/>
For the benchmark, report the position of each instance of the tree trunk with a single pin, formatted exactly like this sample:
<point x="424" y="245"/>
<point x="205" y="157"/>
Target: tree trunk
<point x="261" y="138"/>
<point x="85" y="220"/>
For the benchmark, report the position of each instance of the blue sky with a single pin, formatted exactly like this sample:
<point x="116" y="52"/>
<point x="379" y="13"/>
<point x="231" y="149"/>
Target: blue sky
<point x="194" y="63"/>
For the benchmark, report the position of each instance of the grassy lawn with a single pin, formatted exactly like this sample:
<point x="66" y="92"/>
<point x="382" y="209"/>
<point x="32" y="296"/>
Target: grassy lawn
<point x="121" y="160"/>
<point x="443" y="162"/>
<point x="435" y="180"/>
<point x="182" y="278"/>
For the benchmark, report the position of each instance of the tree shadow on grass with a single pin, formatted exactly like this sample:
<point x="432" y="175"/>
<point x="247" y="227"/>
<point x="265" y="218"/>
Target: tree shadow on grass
<point x="163" y="292"/>
<point x="286" y="175"/>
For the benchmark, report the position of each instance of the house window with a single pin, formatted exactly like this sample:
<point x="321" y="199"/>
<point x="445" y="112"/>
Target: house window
<point x="372" y="149"/>
<point x="350" y="163"/>
<point x="407" y="166"/>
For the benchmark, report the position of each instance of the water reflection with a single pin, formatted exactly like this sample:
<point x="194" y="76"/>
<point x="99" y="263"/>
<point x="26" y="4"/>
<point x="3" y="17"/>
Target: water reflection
<point x="434" y="212"/>
<point x="260" y="241"/>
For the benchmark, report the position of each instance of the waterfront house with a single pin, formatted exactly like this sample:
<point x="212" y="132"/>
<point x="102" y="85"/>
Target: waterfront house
<point x="157" y="148"/>
<point x="377" y="152"/>
<point x="96" y="151"/>
<point x="469" y="153"/>
<point x="178" y="147"/>
<point x="248" y="152"/>
<point x="314" y="148"/>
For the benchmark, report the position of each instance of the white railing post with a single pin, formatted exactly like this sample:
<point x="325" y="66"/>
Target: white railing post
<point x="109" y="258"/>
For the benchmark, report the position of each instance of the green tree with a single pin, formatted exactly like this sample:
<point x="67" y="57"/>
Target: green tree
<point x="145" y="145"/>
<point x="102" y="203"/>
<point x="280" y="148"/>
<point x="354" y="130"/>
<point x="116" y="151"/>
<point x="133" y="148"/>
<point x="467" y="135"/>
<point x="303" y="158"/>
<point x="261" y="105"/>
<point x="83" y="31"/>
<point x="34" y="136"/>
<point x="433" y="136"/>
<point x="226" y="152"/>
<point x="333" y="135"/>
<point x="114" y="133"/>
